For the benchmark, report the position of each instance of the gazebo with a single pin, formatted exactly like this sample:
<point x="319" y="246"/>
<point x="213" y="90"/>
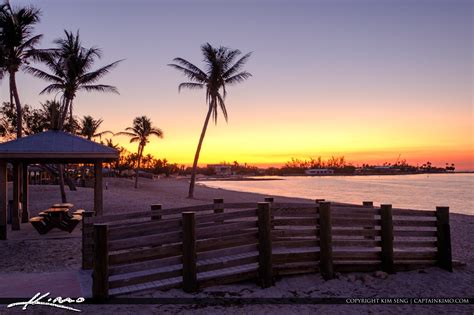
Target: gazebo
<point x="49" y="147"/>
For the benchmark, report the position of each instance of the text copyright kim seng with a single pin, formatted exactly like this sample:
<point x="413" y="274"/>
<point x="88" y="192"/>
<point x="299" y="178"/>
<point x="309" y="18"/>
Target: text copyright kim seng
<point x="408" y="301"/>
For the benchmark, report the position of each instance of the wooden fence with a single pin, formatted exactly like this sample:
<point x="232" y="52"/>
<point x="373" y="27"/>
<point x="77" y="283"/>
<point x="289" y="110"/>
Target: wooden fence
<point x="198" y="246"/>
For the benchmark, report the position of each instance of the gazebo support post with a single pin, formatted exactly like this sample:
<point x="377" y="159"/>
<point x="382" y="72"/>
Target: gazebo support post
<point x="16" y="197"/>
<point x="3" y="200"/>
<point x="25" y="213"/>
<point x="98" y="194"/>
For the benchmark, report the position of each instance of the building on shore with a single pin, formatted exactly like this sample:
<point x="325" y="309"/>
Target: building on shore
<point x="319" y="171"/>
<point x="221" y="169"/>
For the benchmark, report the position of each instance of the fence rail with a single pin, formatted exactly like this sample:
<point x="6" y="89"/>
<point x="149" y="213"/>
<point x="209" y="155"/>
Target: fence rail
<point x="199" y="246"/>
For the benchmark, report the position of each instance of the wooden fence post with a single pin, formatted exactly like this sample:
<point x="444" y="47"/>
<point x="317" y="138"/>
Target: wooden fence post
<point x="443" y="233"/>
<point x="269" y="199"/>
<point x="87" y="240"/>
<point x="265" y="264"/>
<point x="369" y="204"/>
<point x="100" y="275"/>
<point x="325" y="237"/>
<point x="387" y="238"/>
<point x="3" y="200"/>
<point x="189" y="252"/>
<point x="155" y="212"/>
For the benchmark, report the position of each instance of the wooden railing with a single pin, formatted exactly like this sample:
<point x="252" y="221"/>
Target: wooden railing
<point x="199" y="246"/>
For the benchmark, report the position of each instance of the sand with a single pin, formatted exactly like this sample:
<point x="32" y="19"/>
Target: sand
<point x="59" y="251"/>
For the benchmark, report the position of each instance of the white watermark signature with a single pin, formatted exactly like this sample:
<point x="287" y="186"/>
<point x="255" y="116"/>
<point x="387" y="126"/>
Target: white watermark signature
<point x="45" y="300"/>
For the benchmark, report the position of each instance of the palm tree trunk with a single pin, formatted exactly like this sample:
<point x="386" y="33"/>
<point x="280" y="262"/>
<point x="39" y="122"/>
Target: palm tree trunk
<point x="61" y="183"/>
<point x="196" y="156"/>
<point x="140" y="151"/>
<point x="19" y="116"/>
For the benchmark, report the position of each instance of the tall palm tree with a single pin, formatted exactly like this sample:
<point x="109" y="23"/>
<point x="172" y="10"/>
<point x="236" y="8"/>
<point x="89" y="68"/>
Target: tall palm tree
<point x="141" y="131"/>
<point x="90" y="126"/>
<point x="18" y="46"/>
<point x="221" y="70"/>
<point x="70" y="65"/>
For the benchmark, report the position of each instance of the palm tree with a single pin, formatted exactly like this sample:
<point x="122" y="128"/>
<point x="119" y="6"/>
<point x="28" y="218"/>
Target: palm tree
<point x="70" y="64"/>
<point x="89" y="127"/>
<point x="18" y="46"/>
<point x="220" y="70"/>
<point x="141" y="131"/>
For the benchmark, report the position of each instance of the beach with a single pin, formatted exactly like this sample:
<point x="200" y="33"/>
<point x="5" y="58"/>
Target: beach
<point x="61" y="252"/>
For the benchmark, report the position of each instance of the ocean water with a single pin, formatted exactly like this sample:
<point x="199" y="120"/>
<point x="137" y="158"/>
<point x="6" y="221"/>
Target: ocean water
<point x="420" y="191"/>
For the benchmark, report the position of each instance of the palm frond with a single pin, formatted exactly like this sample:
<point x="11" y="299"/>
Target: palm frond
<point x="237" y="66"/>
<point x="186" y="64"/>
<point x="99" y="88"/>
<point x="94" y="76"/>
<point x="238" y="78"/>
<point x="52" y="88"/>
<point x="195" y="76"/>
<point x="190" y="85"/>
<point x="42" y="74"/>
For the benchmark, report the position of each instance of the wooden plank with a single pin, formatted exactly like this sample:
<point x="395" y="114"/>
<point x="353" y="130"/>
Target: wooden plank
<point x="326" y="258"/>
<point x="109" y="218"/>
<point x="413" y="213"/>
<point x="294" y="232"/>
<point x="413" y="233"/>
<point x="309" y="255"/>
<point x="205" y="218"/>
<point x="234" y="274"/>
<point x="227" y="241"/>
<point x="100" y="283"/>
<point x="224" y="229"/>
<point x="144" y="241"/>
<point x="405" y="244"/>
<point x="296" y="212"/>
<point x="356" y="255"/>
<point x="387" y="238"/>
<point x="227" y="261"/>
<point x="145" y="276"/>
<point x="189" y="252"/>
<point x="295" y="222"/>
<point x="351" y="222"/>
<point x="144" y="229"/>
<point x="355" y="243"/>
<point x="444" y="257"/>
<point x="149" y="264"/>
<point x="295" y="243"/>
<point x="355" y="232"/>
<point x="417" y="223"/>
<point x="295" y="268"/>
<point x="227" y="251"/>
<point x="145" y="254"/>
<point x="415" y="255"/>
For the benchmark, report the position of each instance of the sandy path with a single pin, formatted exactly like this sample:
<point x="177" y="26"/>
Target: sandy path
<point x="61" y="252"/>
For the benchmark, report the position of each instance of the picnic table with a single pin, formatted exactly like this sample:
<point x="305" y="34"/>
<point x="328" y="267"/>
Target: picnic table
<point x="57" y="216"/>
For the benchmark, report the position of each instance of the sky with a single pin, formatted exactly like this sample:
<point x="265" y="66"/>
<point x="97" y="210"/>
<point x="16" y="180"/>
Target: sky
<point x="368" y="79"/>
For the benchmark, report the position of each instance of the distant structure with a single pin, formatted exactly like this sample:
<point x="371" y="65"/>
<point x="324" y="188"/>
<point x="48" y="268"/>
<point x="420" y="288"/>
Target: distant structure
<point x="221" y="169"/>
<point x="319" y="171"/>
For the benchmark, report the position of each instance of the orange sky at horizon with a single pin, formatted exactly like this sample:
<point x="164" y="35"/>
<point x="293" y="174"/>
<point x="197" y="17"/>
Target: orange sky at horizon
<point x="369" y="80"/>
